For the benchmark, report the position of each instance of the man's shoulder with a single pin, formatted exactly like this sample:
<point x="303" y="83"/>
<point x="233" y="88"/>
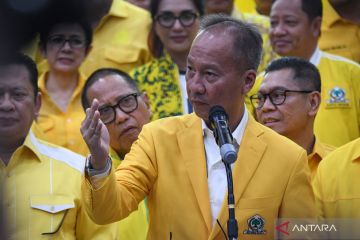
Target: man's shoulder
<point x="275" y="143"/>
<point x="336" y="60"/>
<point x="51" y="151"/>
<point x="343" y="155"/>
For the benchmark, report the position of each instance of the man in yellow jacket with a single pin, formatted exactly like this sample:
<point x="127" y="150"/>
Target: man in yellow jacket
<point x="40" y="181"/>
<point x="176" y="163"/>
<point x="288" y="101"/>
<point x="124" y="111"/>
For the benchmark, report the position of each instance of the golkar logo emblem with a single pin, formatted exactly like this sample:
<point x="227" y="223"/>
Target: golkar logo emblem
<point x="256" y="225"/>
<point x="337" y="95"/>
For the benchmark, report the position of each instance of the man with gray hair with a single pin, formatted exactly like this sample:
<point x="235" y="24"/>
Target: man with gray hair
<point x="176" y="163"/>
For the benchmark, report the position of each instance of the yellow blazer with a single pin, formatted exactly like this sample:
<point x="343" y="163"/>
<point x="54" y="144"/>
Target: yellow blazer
<point x="167" y="164"/>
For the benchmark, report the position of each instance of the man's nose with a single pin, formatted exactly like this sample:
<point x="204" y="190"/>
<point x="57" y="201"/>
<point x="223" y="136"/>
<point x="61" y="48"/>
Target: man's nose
<point x="120" y="116"/>
<point x="5" y="103"/>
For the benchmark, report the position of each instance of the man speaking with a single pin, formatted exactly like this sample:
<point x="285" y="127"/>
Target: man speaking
<point x="176" y="162"/>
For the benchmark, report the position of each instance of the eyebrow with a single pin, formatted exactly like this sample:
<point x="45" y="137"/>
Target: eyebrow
<point x="117" y="99"/>
<point x="273" y="89"/>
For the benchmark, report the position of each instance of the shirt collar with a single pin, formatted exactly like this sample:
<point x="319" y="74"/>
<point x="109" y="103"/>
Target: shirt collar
<point x="239" y="131"/>
<point x="32" y="143"/>
<point x="318" y="149"/>
<point x="330" y="15"/>
<point x="315" y="58"/>
<point x="117" y="9"/>
<point x="77" y="90"/>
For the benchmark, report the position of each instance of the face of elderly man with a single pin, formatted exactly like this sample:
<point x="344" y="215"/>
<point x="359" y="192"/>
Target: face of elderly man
<point x="18" y="105"/>
<point x="214" y="78"/>
<point x="125" y="128"/>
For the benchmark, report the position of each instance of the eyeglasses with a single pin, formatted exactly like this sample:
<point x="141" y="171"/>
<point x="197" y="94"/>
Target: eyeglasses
<point x="59" y="41"/>
<point x="167" y="19"/>
<point x="277" y="97"/>
<point x="127" y="104"/>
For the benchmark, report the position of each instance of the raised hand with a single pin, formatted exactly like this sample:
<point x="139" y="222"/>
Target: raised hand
<point x="96" y="136"/>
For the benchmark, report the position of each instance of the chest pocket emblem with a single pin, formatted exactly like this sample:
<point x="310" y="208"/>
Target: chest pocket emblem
<point x="337" y="98"/>
<point x="255" y="225"/>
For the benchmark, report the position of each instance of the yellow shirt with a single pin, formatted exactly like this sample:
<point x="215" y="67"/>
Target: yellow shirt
<point x="58" y="127"/>
<point x="336" y="184"/>
<point x="120" y="40"/>
<point x="339" y="36"/>
<point x="248" y="6"/>
<point x="135" y="226"/>
<point x="338" y="119"/>
<point x="320" y="150"/>
<point x="42" y="193"/>
<point x="263" y="25"/>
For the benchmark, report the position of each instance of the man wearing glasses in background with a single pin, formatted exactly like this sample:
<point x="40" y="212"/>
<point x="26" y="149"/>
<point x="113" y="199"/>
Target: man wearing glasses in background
<point x="288" y="101"/>
<point x="123" y="110"/>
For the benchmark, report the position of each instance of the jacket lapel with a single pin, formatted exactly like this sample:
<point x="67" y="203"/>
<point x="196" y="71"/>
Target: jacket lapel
<point x="249" y="156"/>
<point x="192" y="150"/>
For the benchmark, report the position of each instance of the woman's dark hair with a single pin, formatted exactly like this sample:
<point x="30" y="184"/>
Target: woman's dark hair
<point x="84" y="25"/>
<point x="155" y="45"/>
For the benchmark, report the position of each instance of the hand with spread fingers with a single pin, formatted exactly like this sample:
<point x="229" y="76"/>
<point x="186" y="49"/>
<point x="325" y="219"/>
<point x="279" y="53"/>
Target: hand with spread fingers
<point x="96" y="136"/>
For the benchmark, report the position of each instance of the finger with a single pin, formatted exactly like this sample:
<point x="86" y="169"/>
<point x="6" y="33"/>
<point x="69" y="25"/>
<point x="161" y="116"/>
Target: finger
<point x="98" y="129"/>
<point x="94" y="121"/>
<point x="86" y="122"/>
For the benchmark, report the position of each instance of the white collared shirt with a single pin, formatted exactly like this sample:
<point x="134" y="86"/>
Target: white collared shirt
<point x="315" y="58"/>
<point x="217" y="181"/>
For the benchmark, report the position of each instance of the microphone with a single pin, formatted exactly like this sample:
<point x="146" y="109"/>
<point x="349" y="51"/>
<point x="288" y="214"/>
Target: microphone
<point x="219" y="123"/>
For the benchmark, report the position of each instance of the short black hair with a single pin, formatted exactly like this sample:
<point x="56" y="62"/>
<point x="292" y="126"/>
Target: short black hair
<point x="84" y="25"/>
<point x="155" y="45"/>
<point x="306" y="75"/>
<point x="17" y="58"/>
<point x="246" y="37"/>
<point x="101" y="73"/>
<point x="312" y="8"/>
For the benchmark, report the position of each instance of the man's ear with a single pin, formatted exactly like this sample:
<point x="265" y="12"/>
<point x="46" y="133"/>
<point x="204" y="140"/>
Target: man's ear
<point x="249" y="80"/>
<point x="316" y="26"/>
<point x="88" y="50"/>
<point x="37" y="105"/>
<point x="145" y="98"/>
<point x="314" y="102"/>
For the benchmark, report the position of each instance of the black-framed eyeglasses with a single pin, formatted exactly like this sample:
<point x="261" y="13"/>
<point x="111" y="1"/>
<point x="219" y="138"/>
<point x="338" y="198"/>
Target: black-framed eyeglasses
<point x="127" y="104"/>
<point x="277" y="97"/>
<point x="168" y="19"/>
<point x="59" y="41"/>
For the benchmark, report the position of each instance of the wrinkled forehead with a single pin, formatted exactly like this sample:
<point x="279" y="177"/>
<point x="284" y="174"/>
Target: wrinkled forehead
<point x="109" y="87"/>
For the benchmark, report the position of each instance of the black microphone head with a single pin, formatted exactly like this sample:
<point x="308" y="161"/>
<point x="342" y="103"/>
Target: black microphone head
<point x="216" y="111"/>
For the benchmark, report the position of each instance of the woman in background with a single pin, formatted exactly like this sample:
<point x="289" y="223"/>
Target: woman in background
<point x="175" y="25"/>
<point x="64" y="44"/>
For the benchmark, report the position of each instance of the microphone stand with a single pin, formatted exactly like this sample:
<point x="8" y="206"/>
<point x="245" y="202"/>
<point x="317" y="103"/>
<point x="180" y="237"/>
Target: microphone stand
<point x="232" y="226"/>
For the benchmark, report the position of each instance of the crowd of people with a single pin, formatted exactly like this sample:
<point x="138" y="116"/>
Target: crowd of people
<point x="105" y="129"/>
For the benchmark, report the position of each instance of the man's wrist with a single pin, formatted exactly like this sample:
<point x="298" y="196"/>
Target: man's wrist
<point x="91" y="171"/>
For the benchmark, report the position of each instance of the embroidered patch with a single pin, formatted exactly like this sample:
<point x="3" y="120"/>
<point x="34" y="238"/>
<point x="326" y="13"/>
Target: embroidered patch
<point x="255" y="225"/>
<point x="337" y="98"/>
